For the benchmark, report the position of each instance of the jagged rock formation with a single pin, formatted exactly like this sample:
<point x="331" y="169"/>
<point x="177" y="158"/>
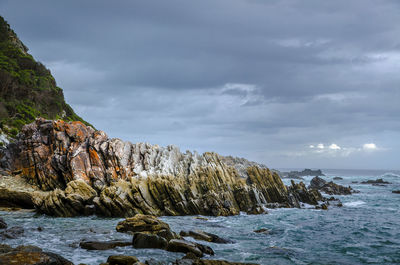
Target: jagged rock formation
<point x="330" y="188"/>
<point x="87" y="172"/>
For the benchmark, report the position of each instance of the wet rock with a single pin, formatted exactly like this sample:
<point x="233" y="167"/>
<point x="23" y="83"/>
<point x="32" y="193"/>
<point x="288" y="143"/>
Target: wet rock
<point x="377" y="181"/>
<point x="300" y="193"/>
<point x="262" y="231"/>
<point x="144" y="240"/>
<point x="209" y="237"/>
<point x="103" y="245"/>
<point x="122" y="260"/>
<point x="257" y="209"/>
<point x="396" y="191"/>
<point x="324" y="206"/>
<point x="12" y="233"/>
<point x="40" y="229"/>
<point x="201" y="218"/>
<point x="329" y="187"/>
<point x="337" y="178"/>
<point x="30" y="255"/>
<point x="178" y="245"/>
<point x="3" y="224"/>
<point x="5" y="248"/>
<point x="148" y="224"/>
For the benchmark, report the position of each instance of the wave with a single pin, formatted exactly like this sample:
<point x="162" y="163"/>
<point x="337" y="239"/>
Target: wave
<point x="354" y="204"/>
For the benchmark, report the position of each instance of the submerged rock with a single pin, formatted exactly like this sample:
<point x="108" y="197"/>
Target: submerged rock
<point x="179" y="245"/>
<point x="262" y="231"/>
<point x="12" y="233"/>
<point x="2" y="223"/>
<point x="86" y="172"/>
<point x="329" y="187"/>
<point x="337" y="178"/>
<point x="396" y="191"/>
<point x="186" y="261"/>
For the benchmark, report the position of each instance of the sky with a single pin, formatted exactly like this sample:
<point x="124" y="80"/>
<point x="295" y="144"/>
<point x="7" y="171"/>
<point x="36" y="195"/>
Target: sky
<point x="288" y="83"/>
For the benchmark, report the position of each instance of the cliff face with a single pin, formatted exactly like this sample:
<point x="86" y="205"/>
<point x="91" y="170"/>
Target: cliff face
<point x="27" y="88"/>
<point x="87" y="172"/>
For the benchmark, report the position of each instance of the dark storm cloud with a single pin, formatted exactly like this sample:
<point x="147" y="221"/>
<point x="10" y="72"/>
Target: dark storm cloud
<point x="261" y="79"/>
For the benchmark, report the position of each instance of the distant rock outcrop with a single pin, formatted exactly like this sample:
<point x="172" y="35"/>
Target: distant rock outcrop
<point x="300" y="174"/>
<point x="330" y="188"/>
<point x="86" y="172"/>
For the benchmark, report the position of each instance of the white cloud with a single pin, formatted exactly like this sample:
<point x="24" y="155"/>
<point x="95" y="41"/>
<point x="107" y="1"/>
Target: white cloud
<point x="320" y="146"/>
<point x="370" y="147"/>
<point x="334" y="147"/>
<point x="312" y="146"/>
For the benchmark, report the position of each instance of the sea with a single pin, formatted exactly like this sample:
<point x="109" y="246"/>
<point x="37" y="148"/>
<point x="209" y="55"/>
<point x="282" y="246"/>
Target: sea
<point x="366" y="230"/>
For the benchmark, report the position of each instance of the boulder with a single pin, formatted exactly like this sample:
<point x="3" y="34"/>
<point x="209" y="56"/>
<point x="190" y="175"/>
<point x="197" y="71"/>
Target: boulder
<point x="178" y="245"/>
<point x="261" y="231"/>
<point x="148" y="224"/>
<point x="103" y="245"/>
<point x="209" y="237"/>
<point x="144" y="240"/>
<point x="30" y="255"/>
<point x="122" y="260"/>
<point x="3" y="224"/>
<point x="396" y="191"/>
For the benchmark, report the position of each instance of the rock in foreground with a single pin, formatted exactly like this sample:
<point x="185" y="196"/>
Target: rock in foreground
<point x="29" y="255"/>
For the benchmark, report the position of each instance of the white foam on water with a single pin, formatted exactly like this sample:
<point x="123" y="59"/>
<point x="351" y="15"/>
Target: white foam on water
<point x="354" y="204"/>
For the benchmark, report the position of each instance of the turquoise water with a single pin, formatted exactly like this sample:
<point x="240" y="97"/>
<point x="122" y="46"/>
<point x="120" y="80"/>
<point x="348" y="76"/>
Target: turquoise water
<point x="366" y="230"/>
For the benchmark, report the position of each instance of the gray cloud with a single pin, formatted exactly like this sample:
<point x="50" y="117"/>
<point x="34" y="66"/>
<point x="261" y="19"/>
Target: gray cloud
<point x="260" y="79"/>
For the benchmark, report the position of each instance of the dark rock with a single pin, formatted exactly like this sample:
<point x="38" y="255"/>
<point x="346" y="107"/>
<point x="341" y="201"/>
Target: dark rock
<point x="40" y="229"/>
<point x="98" y="245"/>
<point x="122" y="260"/>
<point x="256" y="209"/>
<point x="3" y="224"/>
<point x="262" y="231"/>
<point x="30" y="255"/>
<point x="209" y="237"/>
<point x="13" y="198"/>
<point x="300" y="193"/>
<point x="5" y="248"/>
<point x="144" y="240"/>
<point x="354" y="182"/>
<point x="377" y="181"/>
<point x="324" y="206"/>
<point x="178" y="245"/>
<point x="329" y="187"/>
<point x="12" y="233"/>
<point x="396" y="191"/>
<point x="337" y="178"/>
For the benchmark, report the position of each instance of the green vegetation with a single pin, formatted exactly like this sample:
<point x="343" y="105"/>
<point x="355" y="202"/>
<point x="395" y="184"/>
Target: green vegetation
<point x="27" y="88"/>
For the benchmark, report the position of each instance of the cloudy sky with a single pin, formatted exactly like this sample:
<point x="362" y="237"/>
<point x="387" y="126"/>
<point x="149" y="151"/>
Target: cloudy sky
<point x="286" y="83"/>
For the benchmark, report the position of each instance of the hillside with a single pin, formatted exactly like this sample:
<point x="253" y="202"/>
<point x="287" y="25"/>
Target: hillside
<point x="27" y="88"/>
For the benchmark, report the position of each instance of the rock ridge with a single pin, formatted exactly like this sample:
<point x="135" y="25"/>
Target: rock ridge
<point x="86" y="172"/>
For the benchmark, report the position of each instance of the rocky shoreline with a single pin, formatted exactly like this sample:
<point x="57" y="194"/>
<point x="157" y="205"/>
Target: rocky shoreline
<point x="75" y="170"/>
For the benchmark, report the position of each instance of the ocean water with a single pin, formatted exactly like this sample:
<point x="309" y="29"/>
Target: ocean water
<point x="366" y="230"/>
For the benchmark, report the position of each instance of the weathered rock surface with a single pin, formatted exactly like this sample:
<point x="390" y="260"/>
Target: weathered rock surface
<point x="330" y="188"/>
<point x="178" y="245"/>
<point x="103" y="245"/>
<point x="209" y="237"/>
<point x="29" y="255"/>
<point x="85" y="172"/>
<point x="144" y="240"/>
